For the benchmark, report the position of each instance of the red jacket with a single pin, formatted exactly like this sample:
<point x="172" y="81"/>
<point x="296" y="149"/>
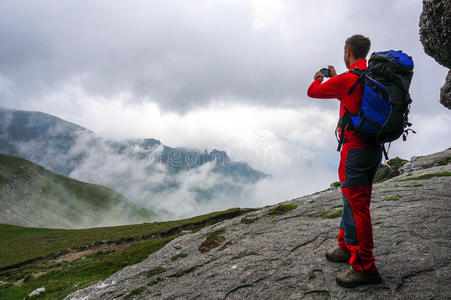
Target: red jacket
<point x="338" y="87"/>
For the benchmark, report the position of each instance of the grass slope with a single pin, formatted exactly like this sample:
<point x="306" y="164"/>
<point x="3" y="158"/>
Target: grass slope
<point x="33" y="196"/>
<point x="67" y="260"/>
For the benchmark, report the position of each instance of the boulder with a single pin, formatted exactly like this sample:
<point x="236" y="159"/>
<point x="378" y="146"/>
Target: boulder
<point x="390" y="169"/>
<point x="445" y="92"/>
<point x="435" y="34"/>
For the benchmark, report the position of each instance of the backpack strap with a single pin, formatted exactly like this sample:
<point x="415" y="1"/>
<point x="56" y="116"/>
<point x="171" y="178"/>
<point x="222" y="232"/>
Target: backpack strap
<point x="385" y="151"/>
<point x="361" y="74"/>
<point x="342" y="136"/>
<point x="365" y="118"/>
<point x="344" y="122"/>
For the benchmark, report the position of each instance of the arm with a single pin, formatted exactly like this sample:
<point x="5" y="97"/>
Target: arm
<point x="333" y="88"/>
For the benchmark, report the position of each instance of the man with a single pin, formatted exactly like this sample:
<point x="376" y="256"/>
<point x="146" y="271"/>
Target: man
<point x="359" y="160"/>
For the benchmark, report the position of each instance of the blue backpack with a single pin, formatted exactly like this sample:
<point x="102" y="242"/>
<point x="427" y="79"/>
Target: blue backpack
<point x="383" y="115"/>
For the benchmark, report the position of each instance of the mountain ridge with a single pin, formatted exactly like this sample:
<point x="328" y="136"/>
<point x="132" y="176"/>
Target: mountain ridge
<point x="150" y="174"/>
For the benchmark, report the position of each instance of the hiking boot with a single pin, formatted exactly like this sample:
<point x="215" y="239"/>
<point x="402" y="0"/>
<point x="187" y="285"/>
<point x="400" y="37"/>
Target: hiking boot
<point x="352" y="278"/>
<point x="337" y="255"/>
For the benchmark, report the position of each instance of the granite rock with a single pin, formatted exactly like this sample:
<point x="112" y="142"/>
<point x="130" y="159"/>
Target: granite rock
<point x="445" y="92"/>
<point x="435" y="34"/>
<point x="427" y="161"/>
<point x="281" y="256"/>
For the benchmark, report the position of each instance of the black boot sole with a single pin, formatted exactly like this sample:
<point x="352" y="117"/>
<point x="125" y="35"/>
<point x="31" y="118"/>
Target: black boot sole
<point x="368" y="280"/>
<point x="329" y="258"/>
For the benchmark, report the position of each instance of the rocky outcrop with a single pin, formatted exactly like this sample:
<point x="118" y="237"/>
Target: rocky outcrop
<point x="390" y="169"/>
<point x="397" y="166"/>
<point x="427" y="161"/>
<point x="435" y="34"/>
<point x="445" y="92"/>
<point x="277" y="252"/>
<point x="435" y="30"/>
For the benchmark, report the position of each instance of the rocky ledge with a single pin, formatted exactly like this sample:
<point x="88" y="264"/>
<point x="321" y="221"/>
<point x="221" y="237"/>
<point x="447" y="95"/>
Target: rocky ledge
<point x="277" y="252"/>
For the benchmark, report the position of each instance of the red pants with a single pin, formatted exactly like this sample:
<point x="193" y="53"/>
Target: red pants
<point x="358" y="165"/>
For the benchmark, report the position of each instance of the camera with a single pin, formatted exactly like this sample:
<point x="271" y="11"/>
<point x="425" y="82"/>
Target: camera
<point x="326" y="72"/>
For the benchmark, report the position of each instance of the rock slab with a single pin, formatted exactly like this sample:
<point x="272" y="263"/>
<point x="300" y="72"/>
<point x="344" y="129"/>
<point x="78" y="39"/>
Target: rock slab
<point x="281" y="256"/>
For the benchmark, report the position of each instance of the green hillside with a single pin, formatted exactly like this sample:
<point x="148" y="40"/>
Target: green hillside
<point x="64" y="260"/>
<point x="33" y="196"/>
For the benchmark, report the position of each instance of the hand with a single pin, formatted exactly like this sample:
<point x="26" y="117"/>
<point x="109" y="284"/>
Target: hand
<point x="332" y="71"/>
<point x="319" y="74"/>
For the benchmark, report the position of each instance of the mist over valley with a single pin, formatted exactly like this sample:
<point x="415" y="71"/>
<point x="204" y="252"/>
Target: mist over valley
<point x="172" y="182"/>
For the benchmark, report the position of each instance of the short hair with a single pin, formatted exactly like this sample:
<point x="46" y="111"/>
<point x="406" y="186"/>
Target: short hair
<point x="358" y="45"/>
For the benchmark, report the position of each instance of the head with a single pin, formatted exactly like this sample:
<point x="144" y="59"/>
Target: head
<point x="356" y="48"/>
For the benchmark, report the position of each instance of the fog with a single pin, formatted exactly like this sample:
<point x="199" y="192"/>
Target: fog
<point x="220" y="74"/>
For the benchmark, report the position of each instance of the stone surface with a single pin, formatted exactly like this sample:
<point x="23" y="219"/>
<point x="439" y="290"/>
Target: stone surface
<point x="271" y="256"/>
<point x="445" y="92"/>
<point x="435" y="34"/>
<point x="389" y="169"/>
<point x="427" y="161"/>
<point x="435" y="30"/>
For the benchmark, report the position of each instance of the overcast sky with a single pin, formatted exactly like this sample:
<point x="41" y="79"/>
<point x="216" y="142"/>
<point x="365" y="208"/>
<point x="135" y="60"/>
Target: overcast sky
<point x="211" y="74"/>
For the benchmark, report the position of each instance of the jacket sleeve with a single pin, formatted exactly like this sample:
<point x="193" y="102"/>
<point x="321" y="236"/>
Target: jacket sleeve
<point x="332" y="88"/>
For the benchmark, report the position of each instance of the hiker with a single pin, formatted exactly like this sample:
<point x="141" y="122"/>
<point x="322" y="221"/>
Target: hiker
<point x="359" y="159"/>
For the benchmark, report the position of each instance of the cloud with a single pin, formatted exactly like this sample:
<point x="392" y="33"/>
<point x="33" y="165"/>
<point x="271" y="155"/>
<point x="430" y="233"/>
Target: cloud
<point x="225" y="74"/>
<point x="184" y="56"/>
<point x="175" y="54"/>
<point x="432" y="135"/>
<point x="270" y="141"/>
<point x="247" y="132"/>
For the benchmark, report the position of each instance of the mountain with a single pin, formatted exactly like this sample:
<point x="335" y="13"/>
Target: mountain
<point x="277" y="252"/>
<point x="174" y="182"/>
<point x="39" y="137"/>
<point x="274" y="252"/>
<point x="33" y="196"/>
